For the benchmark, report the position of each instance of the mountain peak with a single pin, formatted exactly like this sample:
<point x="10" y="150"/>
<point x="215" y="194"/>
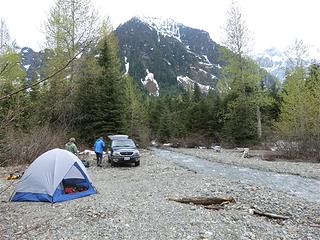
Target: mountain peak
<point x="165" y="54"/>
<point x="166" y="27"/>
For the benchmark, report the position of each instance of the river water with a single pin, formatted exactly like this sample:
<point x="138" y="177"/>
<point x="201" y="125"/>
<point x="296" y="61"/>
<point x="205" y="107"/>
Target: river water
<point x="306" y="188"/>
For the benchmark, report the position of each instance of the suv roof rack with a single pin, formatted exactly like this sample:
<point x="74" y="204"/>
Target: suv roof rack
<point x="113" y="137"/>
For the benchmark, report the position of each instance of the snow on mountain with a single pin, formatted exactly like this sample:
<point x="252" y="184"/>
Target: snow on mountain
<point x="273" y="61"/>
<point x="174" y="55"/>
<point x="187" y="82"/>
<point x="27" y="66"/>
<point x="151" y="84"/>
<point x="277" y="63"/>
<point x="126" y="64"/>
<point x="206" y="61"/>
<point x="164" y="26"/>
<point x="31" y="62"/>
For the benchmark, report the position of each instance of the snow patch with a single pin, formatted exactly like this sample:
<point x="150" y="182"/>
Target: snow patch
<point x="206" y="64"/>
<point x="206" y="61"/>
<point x="87" y="152"/>
<point x="26" y="67"/>
<point x="126" y="64"/>
<point x="151" y="84"/>
<point x="206" y="58"/>
<point x="218" y="66"/>
<point x="169" y="63"/>
<point x="201" y="70"/>
<point x="187" y="82"/>
<point x="26" y="50"/>
<point x="165" y="26"/>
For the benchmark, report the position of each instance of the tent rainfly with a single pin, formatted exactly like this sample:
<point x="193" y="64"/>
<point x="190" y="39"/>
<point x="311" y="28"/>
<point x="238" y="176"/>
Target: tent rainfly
<point x="45" y="179"/>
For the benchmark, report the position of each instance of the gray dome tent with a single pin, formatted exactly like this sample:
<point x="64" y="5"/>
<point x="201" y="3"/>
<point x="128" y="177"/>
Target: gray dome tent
<point x="45" y="178"/>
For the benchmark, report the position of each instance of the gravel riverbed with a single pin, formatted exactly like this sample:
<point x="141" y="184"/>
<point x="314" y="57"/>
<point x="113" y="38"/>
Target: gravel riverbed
<point x="233" y="157"/>
<point x="132" y="204"/>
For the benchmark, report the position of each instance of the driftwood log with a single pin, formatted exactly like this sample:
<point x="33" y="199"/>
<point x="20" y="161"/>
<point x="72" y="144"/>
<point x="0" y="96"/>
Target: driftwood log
<point x="266" y="214"/>
<point x="213" y="207"/>
<point x="206" y="201"/>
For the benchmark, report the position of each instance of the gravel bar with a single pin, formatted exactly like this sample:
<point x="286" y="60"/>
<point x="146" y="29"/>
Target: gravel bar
<point x="132" y="204"/>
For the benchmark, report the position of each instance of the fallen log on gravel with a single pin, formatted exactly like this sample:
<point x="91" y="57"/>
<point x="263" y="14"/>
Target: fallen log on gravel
<point x="213" y="207"/>
<point x="204" y="200"/>
<point x="266" y="214"/>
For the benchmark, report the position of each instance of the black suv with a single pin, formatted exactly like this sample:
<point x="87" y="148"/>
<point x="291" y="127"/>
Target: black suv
<point x="123" y="150"/>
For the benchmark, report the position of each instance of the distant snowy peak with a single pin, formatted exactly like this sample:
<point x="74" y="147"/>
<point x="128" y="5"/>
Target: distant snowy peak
<point x="272" y="54"/>
<point x="164" y="26"/>
<point x="273" y="61"/>
<point x="277" y="63"/>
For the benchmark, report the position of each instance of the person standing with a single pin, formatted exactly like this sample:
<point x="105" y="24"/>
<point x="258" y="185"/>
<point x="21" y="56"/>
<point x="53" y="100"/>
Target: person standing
<point x="99" y="146"/>
<point x="71" y="146"/>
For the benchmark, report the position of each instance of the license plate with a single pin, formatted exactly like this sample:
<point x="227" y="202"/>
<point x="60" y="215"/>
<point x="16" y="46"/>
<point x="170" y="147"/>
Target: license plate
<point x="126" y="158"/>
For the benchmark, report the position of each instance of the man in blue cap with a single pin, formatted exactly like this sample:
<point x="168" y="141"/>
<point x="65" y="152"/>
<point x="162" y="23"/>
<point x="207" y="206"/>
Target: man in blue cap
<point x="99" y="146"/>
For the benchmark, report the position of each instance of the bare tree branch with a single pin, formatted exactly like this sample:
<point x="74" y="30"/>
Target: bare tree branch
<point x="50" y="76"/>
<point x="4" y="68"/>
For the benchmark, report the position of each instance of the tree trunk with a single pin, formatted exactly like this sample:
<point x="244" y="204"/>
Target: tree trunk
<point x="259" y="128"/>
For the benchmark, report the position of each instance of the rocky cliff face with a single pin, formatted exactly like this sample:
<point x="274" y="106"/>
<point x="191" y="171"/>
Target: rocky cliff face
<point x="31" y="62"/>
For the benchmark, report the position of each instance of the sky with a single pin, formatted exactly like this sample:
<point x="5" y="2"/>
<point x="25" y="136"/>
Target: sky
<point x="272" y="23"/>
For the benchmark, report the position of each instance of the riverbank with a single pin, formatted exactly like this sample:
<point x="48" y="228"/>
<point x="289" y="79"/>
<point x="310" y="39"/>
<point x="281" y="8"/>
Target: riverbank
<point x="132" y="203"/>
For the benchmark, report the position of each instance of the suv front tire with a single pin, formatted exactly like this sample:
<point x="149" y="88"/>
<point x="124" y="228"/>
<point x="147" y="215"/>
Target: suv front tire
<point x="112" y="163"/>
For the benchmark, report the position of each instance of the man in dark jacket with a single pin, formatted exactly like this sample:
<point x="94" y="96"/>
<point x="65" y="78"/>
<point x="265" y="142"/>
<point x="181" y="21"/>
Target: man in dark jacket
<point x="99" y="146"/>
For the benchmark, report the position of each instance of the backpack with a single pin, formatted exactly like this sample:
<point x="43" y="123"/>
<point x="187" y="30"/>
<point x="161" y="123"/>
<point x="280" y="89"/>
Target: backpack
<point x="85" y="163"/>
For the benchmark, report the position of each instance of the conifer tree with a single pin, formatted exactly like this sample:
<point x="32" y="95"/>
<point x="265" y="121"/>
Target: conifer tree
<point x="101" y="95"/>
<point x="135" y="114"/>
<point x="292" y="122"/>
